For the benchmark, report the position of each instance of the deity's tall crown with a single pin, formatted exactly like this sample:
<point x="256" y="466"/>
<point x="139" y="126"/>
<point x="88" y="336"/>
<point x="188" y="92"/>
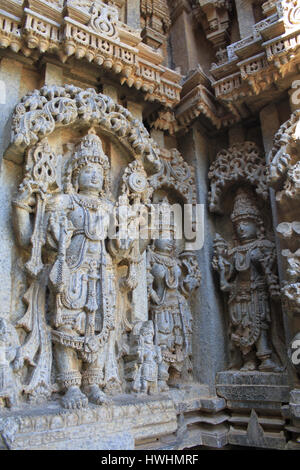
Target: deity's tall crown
<point x="244" y="207"/>
<point x="166" y="220"/>
<point x="90" y="150"/>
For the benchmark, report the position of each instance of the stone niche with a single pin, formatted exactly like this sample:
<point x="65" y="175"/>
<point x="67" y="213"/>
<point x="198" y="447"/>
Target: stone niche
<point x="101" y="327"/>
<point x="255" y="386"/>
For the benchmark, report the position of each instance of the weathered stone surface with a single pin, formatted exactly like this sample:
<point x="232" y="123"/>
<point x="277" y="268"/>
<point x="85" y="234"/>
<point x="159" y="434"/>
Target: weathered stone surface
<point x="112" y="113"/>
<point x="263" y="387"/>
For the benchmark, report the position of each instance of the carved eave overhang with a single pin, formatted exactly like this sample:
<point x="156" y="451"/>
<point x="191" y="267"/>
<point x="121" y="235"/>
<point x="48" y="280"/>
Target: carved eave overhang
<point x="198" y="99"/>
<point x="69" y="29"/>
<point x="257" y="62"/>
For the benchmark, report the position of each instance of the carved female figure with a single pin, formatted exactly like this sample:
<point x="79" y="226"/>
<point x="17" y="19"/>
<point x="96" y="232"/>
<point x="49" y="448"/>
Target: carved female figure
<point x="246" y="272"/>
<point x="170" y="310"/>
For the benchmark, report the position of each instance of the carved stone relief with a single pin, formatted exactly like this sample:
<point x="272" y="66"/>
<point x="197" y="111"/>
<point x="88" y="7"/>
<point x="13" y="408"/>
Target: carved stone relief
<point x="237" y="164"/>
<point x="283" y="176"/>
<point x="247" y="274"/>
<point x="77" y="342"/>
<point x="172" y="276"/>
<point x="247" y="265"/>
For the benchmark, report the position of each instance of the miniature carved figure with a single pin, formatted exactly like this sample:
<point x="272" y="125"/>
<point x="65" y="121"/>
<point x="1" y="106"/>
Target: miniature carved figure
<point x="148" y="358"/>
<point x="247" y="273"/>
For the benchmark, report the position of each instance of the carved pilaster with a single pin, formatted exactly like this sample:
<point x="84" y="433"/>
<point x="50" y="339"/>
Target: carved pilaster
<point x="156" y="22"/>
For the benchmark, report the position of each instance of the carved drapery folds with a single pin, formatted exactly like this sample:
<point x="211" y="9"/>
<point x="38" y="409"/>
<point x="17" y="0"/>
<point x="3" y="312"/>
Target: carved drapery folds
<point x="247" y="266"/>
<point x="75" y="330"/>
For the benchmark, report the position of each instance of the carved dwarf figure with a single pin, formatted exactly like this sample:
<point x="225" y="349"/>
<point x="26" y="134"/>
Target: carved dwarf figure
<point x="149" y="358"/>
<point x="170" y="310"/>
<point x="246" y="272"/>
<point x="81" y="275"/>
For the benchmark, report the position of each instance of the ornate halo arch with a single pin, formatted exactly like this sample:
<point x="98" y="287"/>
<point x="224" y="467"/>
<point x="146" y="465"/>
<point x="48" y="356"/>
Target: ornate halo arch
<point x="41" y="112"/>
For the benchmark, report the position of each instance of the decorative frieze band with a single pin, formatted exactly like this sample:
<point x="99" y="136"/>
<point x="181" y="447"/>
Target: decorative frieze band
<point x="91" y="32"/>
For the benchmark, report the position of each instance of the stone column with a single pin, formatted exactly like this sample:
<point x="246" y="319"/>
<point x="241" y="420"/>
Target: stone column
<point x="133" y="16"/>
<point x="269" y="126"/>
<point x="140" y="294"/>
<point x="209" y="323"/>
<point x="10" y="80"/>
<point x="245" y="15"/>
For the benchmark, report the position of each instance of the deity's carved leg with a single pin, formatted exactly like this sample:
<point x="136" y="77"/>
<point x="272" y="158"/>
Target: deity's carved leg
<point x="92" y="380"/>
<point x="70" y="377"/>
<point x="264" y="352"/>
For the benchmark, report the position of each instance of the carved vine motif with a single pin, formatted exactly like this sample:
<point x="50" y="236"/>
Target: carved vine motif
<point x="240" y="163"/>
<point x="171" y="280"/>
<point x="42" y="111"/>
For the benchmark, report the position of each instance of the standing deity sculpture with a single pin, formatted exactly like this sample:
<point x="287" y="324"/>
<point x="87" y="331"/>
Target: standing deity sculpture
<point x="247" y="274"/>
<point x="169" y="278"/>
<point x="80" y="273"/>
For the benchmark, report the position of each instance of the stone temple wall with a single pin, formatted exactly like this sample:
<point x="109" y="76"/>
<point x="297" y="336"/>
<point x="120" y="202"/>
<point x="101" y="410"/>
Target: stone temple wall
<point x="118" y="333"/>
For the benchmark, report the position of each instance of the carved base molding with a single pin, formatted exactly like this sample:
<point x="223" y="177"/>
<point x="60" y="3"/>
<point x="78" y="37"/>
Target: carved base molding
<point x="182" y="418"/>
<point x="255" y="401"/>
<point x="292" y="412"/>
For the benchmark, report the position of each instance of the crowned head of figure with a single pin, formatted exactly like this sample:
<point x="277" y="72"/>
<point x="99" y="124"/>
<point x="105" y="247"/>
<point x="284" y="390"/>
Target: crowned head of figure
<point x="89" y="167"/>
<point x="246" y="217"/>
<point x="165" y="242"/>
